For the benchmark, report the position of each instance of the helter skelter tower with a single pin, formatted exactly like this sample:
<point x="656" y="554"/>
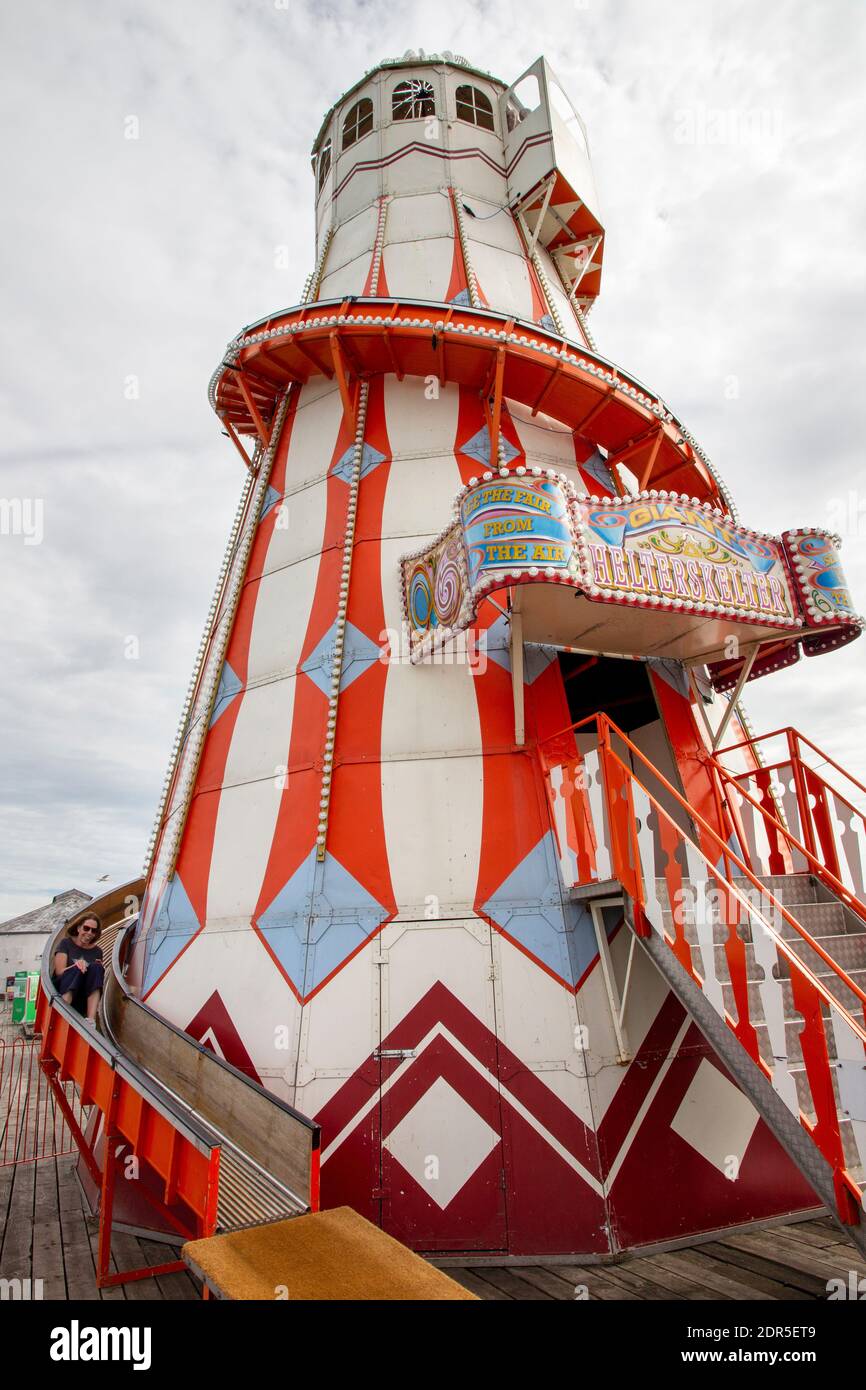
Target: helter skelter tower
<point x="384" y="881"/>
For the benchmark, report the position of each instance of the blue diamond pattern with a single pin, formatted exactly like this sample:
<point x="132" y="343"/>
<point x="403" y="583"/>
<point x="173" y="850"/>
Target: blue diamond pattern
<point x="370" y="459"/>
<point x="358" y="654"/>
<point x="529" y="906"/>
<point x="499" y="643"/>
<point x="462" y="297"/>
<point x="536" y="659"/>
<point x="227" y="689"/>
<point x="478" y="447"/>
<point x="672" y="672"/>
<point x="597" y="468"/>
<point x="176" y="922"/>
<point x="317" y="920"/>
<point x="272" y="497"/>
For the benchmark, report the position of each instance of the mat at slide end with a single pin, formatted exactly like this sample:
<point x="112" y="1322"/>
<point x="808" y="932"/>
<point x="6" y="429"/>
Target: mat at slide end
<point x="325" y="1255"/>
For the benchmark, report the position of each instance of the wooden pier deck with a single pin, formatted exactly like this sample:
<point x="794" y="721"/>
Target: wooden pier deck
<point x="45" y="1233"/>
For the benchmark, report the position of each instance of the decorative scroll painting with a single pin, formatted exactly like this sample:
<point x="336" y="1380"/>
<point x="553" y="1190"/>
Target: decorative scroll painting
<point x="436" y="592"/>
<point x="824" y="592"/>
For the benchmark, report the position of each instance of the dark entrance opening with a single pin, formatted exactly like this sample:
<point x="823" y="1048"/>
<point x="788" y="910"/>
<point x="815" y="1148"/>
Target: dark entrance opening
<point x="618" y="686"/>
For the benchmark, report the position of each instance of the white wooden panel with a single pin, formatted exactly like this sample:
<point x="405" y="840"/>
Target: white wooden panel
<point x="432" y="809"/>
<point x="340" y="1029"/>
<point x="352" y="239"/>
<point x="298" y="532"/>
<point x="493" y="226"/>
<point x="417" y="427"/>
<point x="538" y="1020"/>
<point x="544" y="441"/>
<point x="424" y="216"/>
<point x="419" y="269"/>
<point x="229" y="957"/>
<point x="280" y="622"/>
<point x="349" y="279"/>
<point x="503" y="278"/>
<point x="314" y="434"/>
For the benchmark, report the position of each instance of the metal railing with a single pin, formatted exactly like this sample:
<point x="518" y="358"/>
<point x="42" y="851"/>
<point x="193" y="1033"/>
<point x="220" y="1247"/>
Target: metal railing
<point x="32" y="1125"/>
<point x="695" y="894"/>
<point x="787" y="813"/>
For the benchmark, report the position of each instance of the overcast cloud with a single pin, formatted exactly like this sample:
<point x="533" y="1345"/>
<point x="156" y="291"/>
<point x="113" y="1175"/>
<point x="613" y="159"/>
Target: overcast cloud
<point x="728" y="144"/>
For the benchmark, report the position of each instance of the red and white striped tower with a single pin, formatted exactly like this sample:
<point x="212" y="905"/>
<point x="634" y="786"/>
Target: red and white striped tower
<point x="355" y="891"/>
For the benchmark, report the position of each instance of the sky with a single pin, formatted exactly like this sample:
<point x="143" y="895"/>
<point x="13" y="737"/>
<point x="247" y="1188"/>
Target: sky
<point x="156" y="181"/>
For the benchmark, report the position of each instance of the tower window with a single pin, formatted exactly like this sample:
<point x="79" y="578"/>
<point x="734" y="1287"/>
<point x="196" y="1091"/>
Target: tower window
<point x="358" y="123"/>
<point x="324" y="164"/>
<point x="475" y="107"/>
<point x="412" y="99"/>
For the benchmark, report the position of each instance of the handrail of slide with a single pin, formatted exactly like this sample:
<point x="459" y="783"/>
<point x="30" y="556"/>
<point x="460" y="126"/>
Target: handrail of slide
<point x="180" y="1150"/>
<point x="776" y="828"/>
<point x="175" y="1104"/>
<point x="649" y="848"/>
<point x="779" y="908"/>
<point x="278" y="1138"/>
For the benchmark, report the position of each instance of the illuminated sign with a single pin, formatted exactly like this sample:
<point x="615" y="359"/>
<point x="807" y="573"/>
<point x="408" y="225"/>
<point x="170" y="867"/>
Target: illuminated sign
<point x="667" y="550"/>
<point x="679" y="561"/>
<point x="520" y="524"/>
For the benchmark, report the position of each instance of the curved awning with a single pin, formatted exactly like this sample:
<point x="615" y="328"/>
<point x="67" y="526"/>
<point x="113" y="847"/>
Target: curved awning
<point x="500" y="357"/>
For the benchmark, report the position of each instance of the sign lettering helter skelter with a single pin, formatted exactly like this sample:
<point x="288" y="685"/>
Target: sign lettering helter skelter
<point x="517" y="524"/>
<point x="650" y="551"/>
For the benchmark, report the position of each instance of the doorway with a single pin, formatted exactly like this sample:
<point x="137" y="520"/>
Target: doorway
<point x="622" y="688"/>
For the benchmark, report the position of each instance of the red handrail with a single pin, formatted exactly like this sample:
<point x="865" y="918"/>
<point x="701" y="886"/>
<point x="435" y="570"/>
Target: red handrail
<point x="820" y="869"/>
<point x="604" y="722"/>
<point x="789" y="731"/>
<point x="747" y="873"/>
<point x="808" y="991"/>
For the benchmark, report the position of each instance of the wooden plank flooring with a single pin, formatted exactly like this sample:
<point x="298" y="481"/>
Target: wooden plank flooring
<point x="777" y="1264"/>
<point x="45" y="1233"/>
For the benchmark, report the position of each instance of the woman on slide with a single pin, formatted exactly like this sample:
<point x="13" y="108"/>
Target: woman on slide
<point x="78" y="970"/>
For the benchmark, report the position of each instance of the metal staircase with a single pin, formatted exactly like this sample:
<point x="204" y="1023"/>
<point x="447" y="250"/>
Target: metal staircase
<point x="760" y="933"/>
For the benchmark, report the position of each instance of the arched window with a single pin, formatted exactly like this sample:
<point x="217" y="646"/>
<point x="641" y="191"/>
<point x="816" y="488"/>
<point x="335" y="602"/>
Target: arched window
<point x="476" y="108"/>
<point x="324" y="164"/>
<point x="412" y="99"/>
<point x="358" y="123"/>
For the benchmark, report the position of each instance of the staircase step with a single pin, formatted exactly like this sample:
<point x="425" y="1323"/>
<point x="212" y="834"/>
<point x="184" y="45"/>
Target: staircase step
<point x="787" y="888"/>
<point x="818" y="919"/>
<point x="849" y="952"/>
<point x="841" y="993"/>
